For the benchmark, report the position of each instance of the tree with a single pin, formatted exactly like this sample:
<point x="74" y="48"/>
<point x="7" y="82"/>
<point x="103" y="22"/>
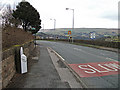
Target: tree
<point x="1" y="8"/>
<point x="7" y="16"/>
<point x="28" y="15"/>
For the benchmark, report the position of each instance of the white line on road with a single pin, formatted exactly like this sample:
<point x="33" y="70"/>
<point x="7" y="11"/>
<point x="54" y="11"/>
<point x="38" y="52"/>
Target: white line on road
<point x="94" y="54"/>
<point x="57" y="54"/>
<point x="111" y="59"/>
<point x="78" y="49"/>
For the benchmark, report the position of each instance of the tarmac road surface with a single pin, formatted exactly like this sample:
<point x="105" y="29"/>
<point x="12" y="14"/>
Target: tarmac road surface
<point x="97" y="68"/>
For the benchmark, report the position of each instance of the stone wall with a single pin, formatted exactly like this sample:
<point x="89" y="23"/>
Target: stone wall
<point x="9" y="60"/>
<point x="0" y="57"/>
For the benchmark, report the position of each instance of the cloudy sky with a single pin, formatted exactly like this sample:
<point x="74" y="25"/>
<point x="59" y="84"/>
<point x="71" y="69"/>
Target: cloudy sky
<point x="88" y="13"/>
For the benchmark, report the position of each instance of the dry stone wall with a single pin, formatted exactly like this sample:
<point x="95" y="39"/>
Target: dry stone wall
<point x="9" y="61"/>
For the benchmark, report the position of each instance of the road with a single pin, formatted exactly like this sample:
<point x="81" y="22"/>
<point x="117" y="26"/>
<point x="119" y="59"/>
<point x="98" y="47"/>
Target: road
<point x="85" y="56"/>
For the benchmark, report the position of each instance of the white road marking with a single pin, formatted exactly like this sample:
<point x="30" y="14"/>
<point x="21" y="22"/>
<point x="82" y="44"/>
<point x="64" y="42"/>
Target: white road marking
<point x="94" y="54"/>
<point x="57" y="54"/>
<point x="111" y="59"/>
<point x="78" y="49"/>
<point x="104" y="54"/>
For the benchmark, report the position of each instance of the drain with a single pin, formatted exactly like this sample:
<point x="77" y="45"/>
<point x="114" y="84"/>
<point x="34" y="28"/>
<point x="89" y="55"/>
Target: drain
<point x="61" y="64"/>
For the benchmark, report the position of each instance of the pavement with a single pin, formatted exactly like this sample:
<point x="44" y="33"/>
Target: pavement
<point x="45" y="70"/>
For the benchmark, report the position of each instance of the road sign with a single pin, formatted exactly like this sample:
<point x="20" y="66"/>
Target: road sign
<point x="69" y="32"/>
<point x="96" y="69"/>
<point x="92" y="35"/>
<point x="33" y="28"/>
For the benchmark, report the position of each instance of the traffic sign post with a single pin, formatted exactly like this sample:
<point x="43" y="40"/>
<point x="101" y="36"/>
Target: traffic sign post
<point x="70" y="37"/>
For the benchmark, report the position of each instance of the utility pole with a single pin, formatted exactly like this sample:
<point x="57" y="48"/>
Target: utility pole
<point x="54" y="26"/>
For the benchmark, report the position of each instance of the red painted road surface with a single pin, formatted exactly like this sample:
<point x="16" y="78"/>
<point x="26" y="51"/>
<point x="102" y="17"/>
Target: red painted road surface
<point x="96" y="69"/>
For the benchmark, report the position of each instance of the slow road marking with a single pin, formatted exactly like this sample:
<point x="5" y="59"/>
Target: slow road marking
<point x="96" y="69"/>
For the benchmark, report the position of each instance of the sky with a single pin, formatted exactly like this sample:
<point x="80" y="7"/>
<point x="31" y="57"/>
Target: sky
<point x="87" y="13"/>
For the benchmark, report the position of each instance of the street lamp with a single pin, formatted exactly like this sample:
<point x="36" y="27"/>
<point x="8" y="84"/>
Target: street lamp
<point x="54" y="25"/>
<point x="73" y="21"/>
<point x="43" y="27"/>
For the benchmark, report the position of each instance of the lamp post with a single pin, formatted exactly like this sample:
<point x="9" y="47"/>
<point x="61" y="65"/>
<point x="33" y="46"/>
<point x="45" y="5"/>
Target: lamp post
<point x="73" y="21"/>
<point x="54" y="25"/>
<point x="43" y="27"/>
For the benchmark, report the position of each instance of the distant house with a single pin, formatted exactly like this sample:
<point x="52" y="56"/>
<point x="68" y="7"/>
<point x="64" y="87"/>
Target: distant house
<point x="92" y="35"/>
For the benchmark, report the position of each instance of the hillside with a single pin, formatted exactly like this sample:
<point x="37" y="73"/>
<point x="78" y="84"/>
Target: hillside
<point x="82" y="33"/>
<point x="78" y="30"/>
<point x="14" y="36"/>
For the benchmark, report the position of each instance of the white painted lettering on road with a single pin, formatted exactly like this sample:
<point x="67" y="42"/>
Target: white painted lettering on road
<point x="107" y="68"/>
<point x="96" y="69"/>
<point x="89" y="70"/>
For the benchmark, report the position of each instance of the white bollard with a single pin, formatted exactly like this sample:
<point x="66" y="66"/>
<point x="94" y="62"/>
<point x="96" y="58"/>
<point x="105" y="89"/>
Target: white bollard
<point x="23" y="61"/>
